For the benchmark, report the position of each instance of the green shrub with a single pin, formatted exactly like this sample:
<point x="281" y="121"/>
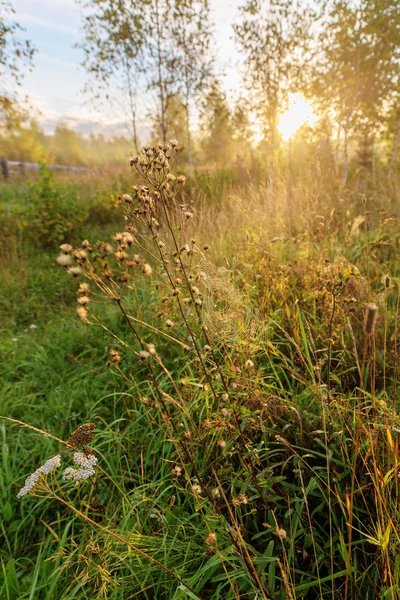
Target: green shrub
<point x="54" y="212"/>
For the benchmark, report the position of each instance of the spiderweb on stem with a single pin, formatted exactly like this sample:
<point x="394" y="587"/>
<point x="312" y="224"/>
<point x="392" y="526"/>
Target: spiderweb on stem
<point x="227" y="313"/>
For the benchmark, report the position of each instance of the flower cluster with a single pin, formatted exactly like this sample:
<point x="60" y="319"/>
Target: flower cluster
<point x="154" y="160"/>
<point x="86" y="464"/>
<point x="30" y="483"/>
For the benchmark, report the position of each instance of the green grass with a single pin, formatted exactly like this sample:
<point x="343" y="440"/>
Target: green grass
<point x="311" y="432"/>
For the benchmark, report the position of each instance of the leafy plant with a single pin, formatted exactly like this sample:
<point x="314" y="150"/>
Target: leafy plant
<point x="54" y="212"/>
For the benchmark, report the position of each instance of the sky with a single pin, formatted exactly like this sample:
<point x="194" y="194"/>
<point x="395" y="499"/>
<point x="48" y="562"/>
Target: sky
<point x="55" y="85"/>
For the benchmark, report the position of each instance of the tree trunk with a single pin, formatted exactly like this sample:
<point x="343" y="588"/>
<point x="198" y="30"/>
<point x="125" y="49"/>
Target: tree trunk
<point x="337" y="145"/>
<point x="189" y="141"/>
<point x="394" y="148"/>
<point x="373" y="160"/>
<point x="346" y="154"/>
<point x="160" y="78"/>
<point x="132" y="104"/>
<point x="4" y="167"/>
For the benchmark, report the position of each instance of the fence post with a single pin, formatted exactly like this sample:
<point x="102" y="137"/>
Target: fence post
<point x="4" y="167"/>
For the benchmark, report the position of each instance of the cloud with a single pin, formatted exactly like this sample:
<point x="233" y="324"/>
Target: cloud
<point x="59" y="62"/>
<point x="52" y="25"/>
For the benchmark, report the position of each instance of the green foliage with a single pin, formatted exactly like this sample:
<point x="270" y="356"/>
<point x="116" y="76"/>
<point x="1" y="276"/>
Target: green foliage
<point x="15" y="55"/>
<point x="53" y="212"/>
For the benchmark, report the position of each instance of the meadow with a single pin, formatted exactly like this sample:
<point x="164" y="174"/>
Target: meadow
<point x="234" y="356"/>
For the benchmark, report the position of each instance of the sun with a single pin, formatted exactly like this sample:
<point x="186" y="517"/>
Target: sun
<point x="298" y="113"/>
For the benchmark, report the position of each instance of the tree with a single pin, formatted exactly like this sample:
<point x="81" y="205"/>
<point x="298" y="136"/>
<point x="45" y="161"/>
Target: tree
<point x="113" y="47"/>
<point x="242" y="131"/>
<point x="132" y="46"/>
<point x="15" y="55"/>
<point x="192" y="36"/>
<point x="216" y="124"/>
<point x="356" y="67"/>
<point x="271" y="35"/>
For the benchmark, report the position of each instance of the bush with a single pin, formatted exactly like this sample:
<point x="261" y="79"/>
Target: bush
<point x="54" y="212"/>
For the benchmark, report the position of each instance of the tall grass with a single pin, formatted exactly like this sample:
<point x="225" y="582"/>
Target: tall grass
<point x="245" y="409"/>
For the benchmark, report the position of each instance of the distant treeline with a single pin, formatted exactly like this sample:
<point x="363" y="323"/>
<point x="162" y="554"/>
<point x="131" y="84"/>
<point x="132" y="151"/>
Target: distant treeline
<point x="28" y="143"/>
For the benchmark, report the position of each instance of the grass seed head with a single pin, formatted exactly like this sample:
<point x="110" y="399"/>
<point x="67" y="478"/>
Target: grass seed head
<point x="371" y="315"/>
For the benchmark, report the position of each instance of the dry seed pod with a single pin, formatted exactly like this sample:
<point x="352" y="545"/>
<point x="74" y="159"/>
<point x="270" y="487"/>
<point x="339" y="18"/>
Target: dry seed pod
<point x="81" y="436"/>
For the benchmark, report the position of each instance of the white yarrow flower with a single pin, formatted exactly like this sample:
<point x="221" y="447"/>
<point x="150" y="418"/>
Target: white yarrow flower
<point x="86" y="470"/>
<point x="84" y="461"/>
<point x="49" y="466"/>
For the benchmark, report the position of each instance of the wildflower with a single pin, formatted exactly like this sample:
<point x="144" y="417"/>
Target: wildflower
<point x="128" y="238"/>
<point x="188" y="215"/>
<point x="143" y="354"/>
<point x="127" y="198"/>
<point x="181" y="180"/>
<point x="106" y="248"/>
<point x="30" y="482"/>
<point x="211" y="539"/>
<point x="198" y="301"/>
<point x="115" y="356"/>
<point x="177" y="471"/>
<point x="147" y="270"/>
<point x="85" y="461"/>
<point x="249" y="365"/>
<point x="196" y="489"/>
<point x="32" y="326"/>
<point x="81" y="312"/>
<point x="151" y="349"/>
<point x="86" y="245"/>
<point x="66" y="248"/>
<point x="243" y="499"/>
<point x="64" y="260"/>
<point x="80" y="255"/>
<point x="169" y="323"/>
<point x="281" y="534"/>
<point x="81" y="436"/>
<point x="120" y="255"/>
<point x="83" y="288"/>
<point x="87" y="465"/>
<point x="75" y="271"/>
<point x="14" y="339"/>
<point x="216" y="493"/>
<point x="174" y="143"/>
<point x="236" y="502"/>
<point x="83" y="300"/>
